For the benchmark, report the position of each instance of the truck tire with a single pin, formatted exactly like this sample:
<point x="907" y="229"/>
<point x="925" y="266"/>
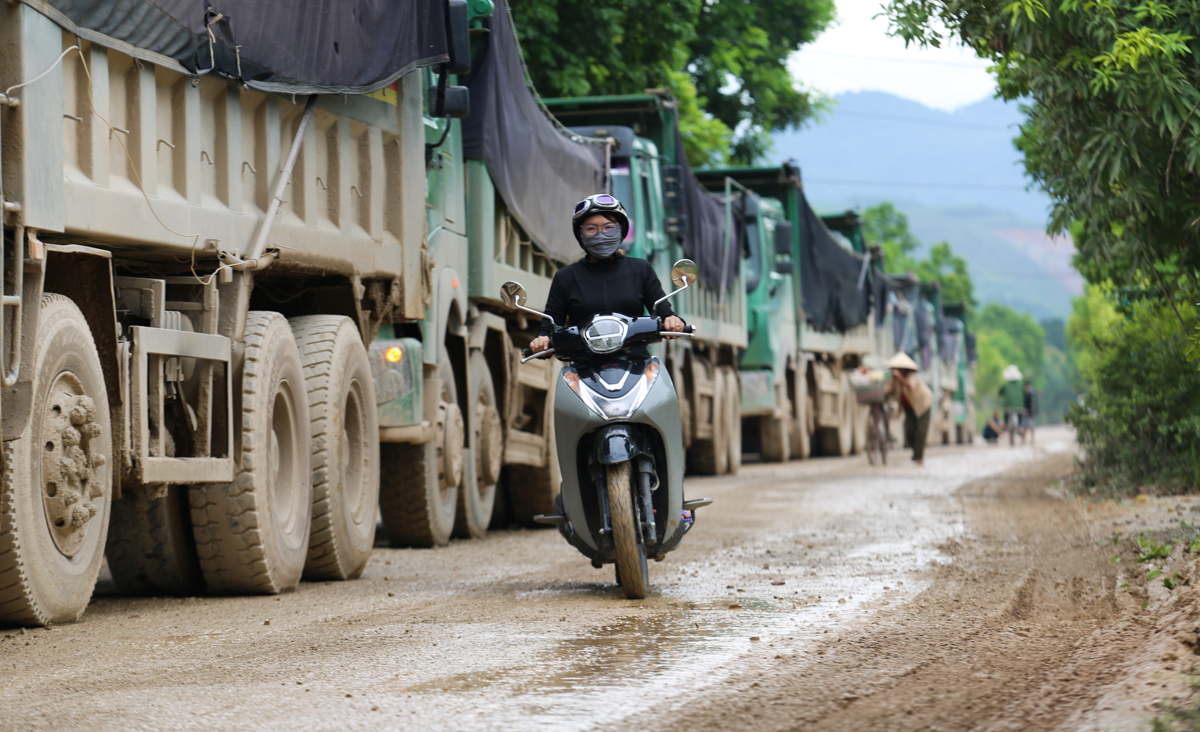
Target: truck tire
<point x="838" y="440"/>
<point x="475" y="502"/>
<point x="345" y="446"/>
<point x="711" y="456"/>
<point x="55" y="497"/>
<point x="801" y="432"/>
<point x="632" y="574"/>
<point x="530" y="489"/>
<point x="733" y="418"/>
<point x="419" y="484"/>
<point x="151" y="550"/>
<point x="252" y="534"/>
<point x="775" y="435"/>
<point x="862" y="415"/>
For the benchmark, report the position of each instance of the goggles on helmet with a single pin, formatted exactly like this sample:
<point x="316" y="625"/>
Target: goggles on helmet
<point x="597" y="203"/>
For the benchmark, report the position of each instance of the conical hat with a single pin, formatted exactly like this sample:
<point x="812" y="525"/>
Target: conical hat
<point x="902" y="361"/>
<point x="1012" y="373"/>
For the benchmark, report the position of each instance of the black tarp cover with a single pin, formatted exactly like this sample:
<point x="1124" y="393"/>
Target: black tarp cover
<point x="829" y="277"/>
<point x="704" y="237"/>
<point x="297" y="47"/>
<point x="539" y="171"/>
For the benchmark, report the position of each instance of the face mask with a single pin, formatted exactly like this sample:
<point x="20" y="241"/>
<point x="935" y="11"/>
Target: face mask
<point x="602" y="245"/>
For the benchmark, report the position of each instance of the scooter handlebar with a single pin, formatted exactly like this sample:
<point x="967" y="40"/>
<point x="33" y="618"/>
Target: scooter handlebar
<point x="528" y="355"/>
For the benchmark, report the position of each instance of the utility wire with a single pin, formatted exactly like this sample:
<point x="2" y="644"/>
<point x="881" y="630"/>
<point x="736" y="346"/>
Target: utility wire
<point x="951" y="186"/>
<point x="931" y="62"/>
<point x="944" y="123"/>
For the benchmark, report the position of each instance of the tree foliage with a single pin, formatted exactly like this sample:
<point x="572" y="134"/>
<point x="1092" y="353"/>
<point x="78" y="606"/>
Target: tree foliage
<point x="1004" y="337"/>
<point x="1137" y="418"/>
<point x="1113" y="131"/>
<point x="886" y="227"/>
<point x="725" y="60"/>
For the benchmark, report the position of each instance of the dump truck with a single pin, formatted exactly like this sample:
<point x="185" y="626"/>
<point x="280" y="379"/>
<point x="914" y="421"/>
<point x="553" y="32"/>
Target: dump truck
<point x="958" y="352"/>
<point x="672" y="216"/>
<point x="812" y="286"/>
<point x="250" y="293"/>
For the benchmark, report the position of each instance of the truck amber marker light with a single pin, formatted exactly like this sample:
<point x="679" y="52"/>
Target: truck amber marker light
<point x="393" y="354"/>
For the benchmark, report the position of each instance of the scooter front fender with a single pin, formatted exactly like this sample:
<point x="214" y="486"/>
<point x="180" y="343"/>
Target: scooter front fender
<point x="617" y="443"/>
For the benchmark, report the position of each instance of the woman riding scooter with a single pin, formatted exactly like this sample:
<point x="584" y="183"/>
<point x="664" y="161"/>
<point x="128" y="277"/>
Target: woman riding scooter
<point x="616" y="413"/>
<point x="604" y="281"/>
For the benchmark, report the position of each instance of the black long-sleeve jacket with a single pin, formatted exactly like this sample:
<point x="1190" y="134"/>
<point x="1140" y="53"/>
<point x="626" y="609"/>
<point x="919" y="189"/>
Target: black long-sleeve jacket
<point x="624" y="285"/>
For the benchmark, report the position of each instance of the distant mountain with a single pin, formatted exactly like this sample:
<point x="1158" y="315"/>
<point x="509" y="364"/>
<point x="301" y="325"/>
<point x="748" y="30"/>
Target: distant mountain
<point x="958" y="177"/>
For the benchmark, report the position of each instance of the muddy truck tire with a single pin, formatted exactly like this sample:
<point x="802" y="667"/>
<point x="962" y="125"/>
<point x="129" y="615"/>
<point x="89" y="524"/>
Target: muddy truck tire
<point x="475" y="502"/>
<point x="252" y="534"/>
<point x="344" y="460"/>
<point x="839" y="440"/>
<point x="57" y="478"/>
<point x="531" y="490"/>
<point x="151" y="550"/>
<point x="419" y="484"/>
<point x="710" y="456"/>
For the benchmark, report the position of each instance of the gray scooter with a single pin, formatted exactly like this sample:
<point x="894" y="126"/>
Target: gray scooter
<point x="620" y="448"/>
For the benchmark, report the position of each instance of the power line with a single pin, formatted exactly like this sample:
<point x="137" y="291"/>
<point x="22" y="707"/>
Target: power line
<point x="951" y="186"/>
<point x="894" y="60"/>
<point x="944" y="123"/>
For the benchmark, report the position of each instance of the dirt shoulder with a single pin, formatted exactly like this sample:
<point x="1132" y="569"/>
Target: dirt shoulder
<point x="1022" y="624"/>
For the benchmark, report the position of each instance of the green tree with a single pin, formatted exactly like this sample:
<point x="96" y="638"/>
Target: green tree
<point x="1137" y="419"/>
<point x="1027" y="339"/>
<point x="738" y="62"/>
<point x="1113" y="132"/>
<point x="946" y="267"/>
<point x="1056" y="332"/>
<point x="725" y="62"/>
<point x="886" y="227"/>
<point x="1092" y="315"/>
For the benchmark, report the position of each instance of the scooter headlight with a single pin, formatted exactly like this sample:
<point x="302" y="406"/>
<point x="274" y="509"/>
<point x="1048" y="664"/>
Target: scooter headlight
<point x="605" y="334"/>
<point x="610" y="408"/>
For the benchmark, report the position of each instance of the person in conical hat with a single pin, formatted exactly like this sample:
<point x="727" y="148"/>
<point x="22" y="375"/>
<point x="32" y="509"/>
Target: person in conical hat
<point x="916" y="399"/>
<point x="1012" y="398"/>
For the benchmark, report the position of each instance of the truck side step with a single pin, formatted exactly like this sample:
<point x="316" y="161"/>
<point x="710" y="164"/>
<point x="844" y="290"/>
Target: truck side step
<point x="695" y="503"/>
<point x="551" y="519"/>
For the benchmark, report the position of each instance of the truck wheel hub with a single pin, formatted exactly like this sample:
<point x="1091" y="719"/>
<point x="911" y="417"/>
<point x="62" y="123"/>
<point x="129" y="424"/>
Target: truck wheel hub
<point x="71" y="476"/>
<point x="450" y="445"/>
<point x="491" y="444"/>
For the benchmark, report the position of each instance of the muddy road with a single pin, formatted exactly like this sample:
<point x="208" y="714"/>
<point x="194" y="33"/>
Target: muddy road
<point x="968" y="594"/>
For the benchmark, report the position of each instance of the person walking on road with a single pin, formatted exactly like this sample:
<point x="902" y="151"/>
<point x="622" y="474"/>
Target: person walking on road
<point x="1030" y="414"/>
<point x="1012" y="398"/>
<point x="916" y="399"/>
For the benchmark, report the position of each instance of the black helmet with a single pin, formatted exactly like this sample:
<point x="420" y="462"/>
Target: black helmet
<point x="600" y="203"/>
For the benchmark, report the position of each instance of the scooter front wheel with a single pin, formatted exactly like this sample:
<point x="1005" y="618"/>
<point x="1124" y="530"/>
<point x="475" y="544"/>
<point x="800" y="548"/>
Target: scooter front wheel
<point x="627" y="536"/>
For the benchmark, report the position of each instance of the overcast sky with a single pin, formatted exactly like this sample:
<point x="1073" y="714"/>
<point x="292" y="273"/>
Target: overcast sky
<point x="856" y="54"/>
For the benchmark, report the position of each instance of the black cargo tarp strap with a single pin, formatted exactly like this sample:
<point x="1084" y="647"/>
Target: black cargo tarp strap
<point x="539" y="171"/>
<point x="829" y="277"/>
<point x="879" y="292"/>
<point x="704" y="235"/>
<point x="294" y="47"/>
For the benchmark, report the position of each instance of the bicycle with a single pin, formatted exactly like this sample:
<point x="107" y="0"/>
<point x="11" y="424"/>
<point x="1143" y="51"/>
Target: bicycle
<point x="870" y="387"/>
<point x="878" y="434"/>
<point x="1012" y="424"/>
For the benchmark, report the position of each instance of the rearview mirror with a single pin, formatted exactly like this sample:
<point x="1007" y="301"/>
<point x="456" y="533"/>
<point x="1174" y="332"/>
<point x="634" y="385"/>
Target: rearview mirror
<point x="685" y="273"/>
<point x="512" y="294"/>
<point x="458" y="32"/>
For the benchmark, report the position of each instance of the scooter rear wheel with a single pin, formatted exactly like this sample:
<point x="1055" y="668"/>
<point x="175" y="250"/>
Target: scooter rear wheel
<point x="627" y="535"/>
